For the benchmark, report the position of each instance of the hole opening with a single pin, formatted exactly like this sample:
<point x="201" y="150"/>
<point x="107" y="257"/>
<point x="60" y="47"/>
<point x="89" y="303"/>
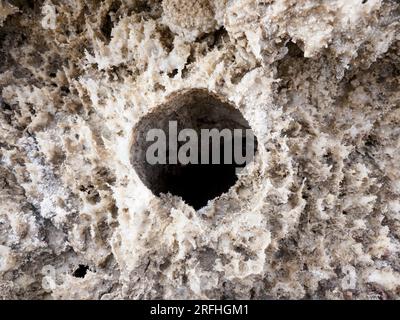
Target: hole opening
<point x="81" y="271"/>
<point x="215" y="170"/>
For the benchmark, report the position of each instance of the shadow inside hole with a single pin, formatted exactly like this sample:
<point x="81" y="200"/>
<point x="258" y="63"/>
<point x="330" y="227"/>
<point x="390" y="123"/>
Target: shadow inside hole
<point x="81" y="271"/>
<point x="196" y="184"/>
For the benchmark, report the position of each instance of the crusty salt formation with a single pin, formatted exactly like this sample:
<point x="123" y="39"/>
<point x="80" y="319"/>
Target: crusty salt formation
<point x="315" y="215"/>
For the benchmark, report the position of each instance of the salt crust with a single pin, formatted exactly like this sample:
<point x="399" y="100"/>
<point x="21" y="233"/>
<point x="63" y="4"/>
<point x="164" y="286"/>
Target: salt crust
<point x="316" y="215"/>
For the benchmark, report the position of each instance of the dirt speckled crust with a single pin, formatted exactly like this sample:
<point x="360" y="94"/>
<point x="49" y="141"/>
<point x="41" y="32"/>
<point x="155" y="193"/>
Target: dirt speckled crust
<point x="317" y="213"/>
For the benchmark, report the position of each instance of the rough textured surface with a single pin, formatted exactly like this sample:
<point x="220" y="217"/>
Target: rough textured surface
<point x="316" y="215"/>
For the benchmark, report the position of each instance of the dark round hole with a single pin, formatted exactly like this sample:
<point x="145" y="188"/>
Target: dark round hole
<point x="80" y="272"/>
<point x="195" y="109"/>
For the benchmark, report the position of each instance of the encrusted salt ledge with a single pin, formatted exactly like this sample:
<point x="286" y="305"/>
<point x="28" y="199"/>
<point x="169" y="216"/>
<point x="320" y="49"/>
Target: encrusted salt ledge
<point x="315" y="215"/>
